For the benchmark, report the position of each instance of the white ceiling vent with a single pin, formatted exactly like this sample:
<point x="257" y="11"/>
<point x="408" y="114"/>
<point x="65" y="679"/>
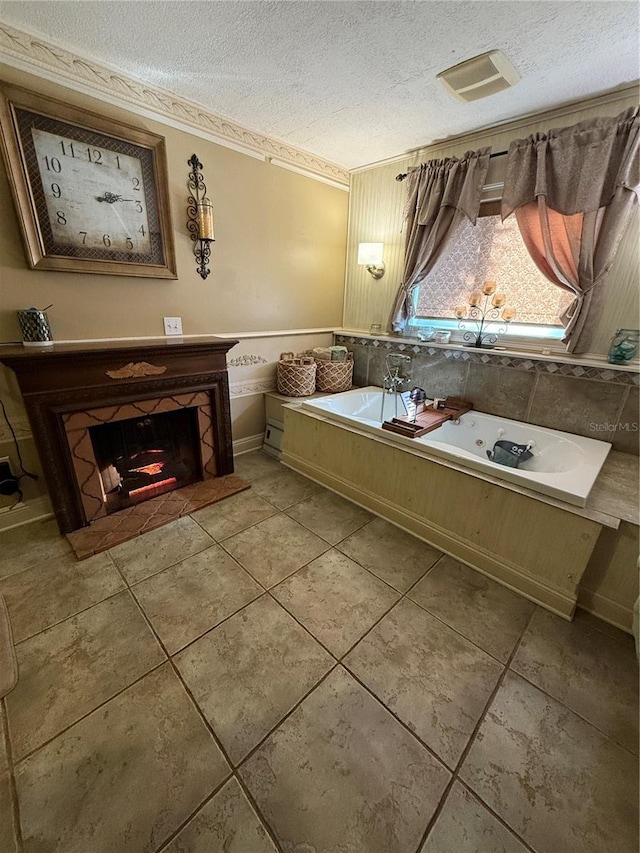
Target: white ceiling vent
<point x="480" y="76"/>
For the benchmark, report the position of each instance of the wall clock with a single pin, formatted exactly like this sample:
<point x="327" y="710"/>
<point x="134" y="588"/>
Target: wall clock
<point x="91" y="193"/>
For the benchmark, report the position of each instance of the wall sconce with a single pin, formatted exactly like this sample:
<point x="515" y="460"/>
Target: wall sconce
<point x="200" y="213"/>
<point x="370" y="256"/>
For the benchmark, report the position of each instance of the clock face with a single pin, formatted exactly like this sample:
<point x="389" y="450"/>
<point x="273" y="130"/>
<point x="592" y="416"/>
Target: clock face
<point x="91" y="192"/>
<point x="94" y="196"/>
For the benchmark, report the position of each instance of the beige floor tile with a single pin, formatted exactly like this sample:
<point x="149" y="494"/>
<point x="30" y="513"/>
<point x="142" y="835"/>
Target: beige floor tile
<point x="330" y="516"/>
<point x="125" y="777"/>
<point x="226" y="824"/>
<point x="273" y="549"/>
<point x="466" y="826"/>
<point x="191" y="597"/>
<point x="234" y="514"/>
<point x="285" y="488"/>
<point x="8" y="663"/>
<point x="28" y="545"/>
<point x="55" y="589"/>
<point x="336" y="599"/>
<point x="434" y="680"/>
<point x="8" y="841"/>
<point x="595" y="675"/>
<point x="158" y="549"/>
<point x="342" y="774"/>
<point x="582" y="616"/>
<point x="553" y="778"/>
<point x="250" y="671"/>
<point x="70" y="669"/>
<point x="490" y="615"/>
<point x="390" y="553"/>
<point x="252" y="466"/>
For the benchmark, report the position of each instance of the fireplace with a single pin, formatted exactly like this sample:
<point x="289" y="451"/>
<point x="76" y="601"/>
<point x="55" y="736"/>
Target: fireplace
<point x="118" y="425"/>
<point x="129" y="452"/>
<point x="143" y="457"/>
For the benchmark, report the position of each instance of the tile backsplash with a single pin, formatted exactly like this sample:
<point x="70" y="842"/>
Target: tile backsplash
<point x="597" y="402"/>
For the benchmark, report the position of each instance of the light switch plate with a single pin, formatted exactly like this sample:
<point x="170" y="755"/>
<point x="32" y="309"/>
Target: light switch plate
<point x="172" y="325"/>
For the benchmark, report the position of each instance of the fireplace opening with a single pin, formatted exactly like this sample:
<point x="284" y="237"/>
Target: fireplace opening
<point x="140" y="458"/>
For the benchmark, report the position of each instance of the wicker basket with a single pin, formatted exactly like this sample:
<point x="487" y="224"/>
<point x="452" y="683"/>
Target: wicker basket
<point x="334" y="376"/>
<point x="296" y="376"/>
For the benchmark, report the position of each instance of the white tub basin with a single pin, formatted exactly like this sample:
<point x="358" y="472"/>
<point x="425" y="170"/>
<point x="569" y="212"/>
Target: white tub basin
<point x="563" y="465"/>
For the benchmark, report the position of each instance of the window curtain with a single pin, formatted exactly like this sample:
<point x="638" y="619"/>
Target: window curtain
<point x="573" y="190"/>
<point x="439" y="194"/>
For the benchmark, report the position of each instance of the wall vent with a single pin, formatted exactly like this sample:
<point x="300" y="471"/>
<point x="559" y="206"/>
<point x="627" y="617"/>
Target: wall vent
<point x="480" y="76"/>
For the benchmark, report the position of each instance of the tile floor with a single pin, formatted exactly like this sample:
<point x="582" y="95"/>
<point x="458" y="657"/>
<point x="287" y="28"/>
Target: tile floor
<point x="283" y="671"/>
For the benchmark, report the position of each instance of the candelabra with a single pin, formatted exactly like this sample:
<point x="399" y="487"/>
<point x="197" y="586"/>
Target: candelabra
<point x="486" y="315"/>
<point x="200" y="213"/>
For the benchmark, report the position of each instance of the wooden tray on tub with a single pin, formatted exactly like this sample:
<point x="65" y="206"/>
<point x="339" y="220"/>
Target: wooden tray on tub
<point x="429" y="419"/>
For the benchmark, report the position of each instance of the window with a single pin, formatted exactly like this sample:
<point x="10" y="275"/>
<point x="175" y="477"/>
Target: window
<point x="491" y="250"/>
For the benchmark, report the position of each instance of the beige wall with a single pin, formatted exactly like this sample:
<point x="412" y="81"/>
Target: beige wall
<point x="278" y="261"/>
<point x="277" y="264"/>
<point x="376" y="207"/>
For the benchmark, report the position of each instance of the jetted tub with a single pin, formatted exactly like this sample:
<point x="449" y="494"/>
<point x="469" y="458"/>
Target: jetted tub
<point x="563" y="466"/>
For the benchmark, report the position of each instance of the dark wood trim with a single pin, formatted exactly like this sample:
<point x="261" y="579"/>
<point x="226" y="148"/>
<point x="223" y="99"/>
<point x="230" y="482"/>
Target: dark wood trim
<point x="66" y="378"/>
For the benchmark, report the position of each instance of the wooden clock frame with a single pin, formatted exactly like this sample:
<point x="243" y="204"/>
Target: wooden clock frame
<point x="19" y="111"/>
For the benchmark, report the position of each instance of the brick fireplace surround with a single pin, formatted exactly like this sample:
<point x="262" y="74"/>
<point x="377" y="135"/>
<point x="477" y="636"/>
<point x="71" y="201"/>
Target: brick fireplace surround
<point x="68" y="388"/>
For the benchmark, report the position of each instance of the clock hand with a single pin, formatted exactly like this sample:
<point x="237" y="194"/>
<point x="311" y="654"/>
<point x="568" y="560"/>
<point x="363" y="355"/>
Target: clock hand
<point x="111" y="198"/>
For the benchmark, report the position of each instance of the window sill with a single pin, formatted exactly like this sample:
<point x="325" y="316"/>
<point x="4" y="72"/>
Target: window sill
<point x="534" y="353"/>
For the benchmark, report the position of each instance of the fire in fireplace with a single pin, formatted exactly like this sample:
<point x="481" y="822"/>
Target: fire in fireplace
<point x="140" y="458"/>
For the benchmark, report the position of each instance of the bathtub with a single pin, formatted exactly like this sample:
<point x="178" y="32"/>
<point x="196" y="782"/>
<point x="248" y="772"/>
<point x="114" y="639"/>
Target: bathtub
<point x="563" y="466"/>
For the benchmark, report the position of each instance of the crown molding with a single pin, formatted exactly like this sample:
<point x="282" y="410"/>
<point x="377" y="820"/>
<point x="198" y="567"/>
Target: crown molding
<point x="36" y="56"/>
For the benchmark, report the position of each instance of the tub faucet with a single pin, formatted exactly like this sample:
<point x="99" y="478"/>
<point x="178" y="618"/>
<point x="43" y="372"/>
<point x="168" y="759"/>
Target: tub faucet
<point x="393" y="381"/>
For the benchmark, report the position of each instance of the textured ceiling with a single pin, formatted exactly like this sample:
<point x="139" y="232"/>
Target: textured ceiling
<point x="353" y="82"/>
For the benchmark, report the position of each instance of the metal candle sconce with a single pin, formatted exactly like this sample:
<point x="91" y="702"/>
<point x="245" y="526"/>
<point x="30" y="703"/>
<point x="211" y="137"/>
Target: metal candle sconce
<point x="488" y="320"/>
<point x="200" y="212"/>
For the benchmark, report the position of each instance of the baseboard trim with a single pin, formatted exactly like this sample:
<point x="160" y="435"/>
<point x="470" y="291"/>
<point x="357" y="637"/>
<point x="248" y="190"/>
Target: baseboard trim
<point x="36" y="509"/>
<point x="556" y="600"/>
<point x="606" y="609"/>
<point x="246" y="445"/>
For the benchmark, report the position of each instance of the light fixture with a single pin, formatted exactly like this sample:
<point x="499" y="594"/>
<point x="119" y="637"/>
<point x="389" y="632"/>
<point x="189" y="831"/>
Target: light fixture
<point x="480" y="76"/>
<point x="370" y="256"/>
<point x="200" y="213"/>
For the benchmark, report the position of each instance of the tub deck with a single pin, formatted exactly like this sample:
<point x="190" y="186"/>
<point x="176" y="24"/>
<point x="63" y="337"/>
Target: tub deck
<point x="564" y="466"/>
<point x="535" y="544"/>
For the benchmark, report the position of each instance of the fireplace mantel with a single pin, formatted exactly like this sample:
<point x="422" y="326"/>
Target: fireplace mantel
<point x="64" y="378"/>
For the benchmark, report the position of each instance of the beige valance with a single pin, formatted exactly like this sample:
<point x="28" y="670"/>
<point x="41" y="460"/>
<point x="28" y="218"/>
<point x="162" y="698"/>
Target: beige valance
<point x="577" y="169"/>
<point x="450" y="182"/>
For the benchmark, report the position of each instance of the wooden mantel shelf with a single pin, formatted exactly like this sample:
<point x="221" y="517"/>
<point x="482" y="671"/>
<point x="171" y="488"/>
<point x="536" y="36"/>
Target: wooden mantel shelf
<point x="62" y="365"/>
<point x="162" y="343"/>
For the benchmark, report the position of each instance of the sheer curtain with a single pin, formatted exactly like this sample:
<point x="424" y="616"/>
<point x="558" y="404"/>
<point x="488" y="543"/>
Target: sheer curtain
<point x="573" y="190"/>
<point x="439" y="194"/>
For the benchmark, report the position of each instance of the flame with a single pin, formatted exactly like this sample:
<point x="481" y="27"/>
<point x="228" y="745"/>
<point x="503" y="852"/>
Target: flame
<point x="154" y="468"/>
<point x="153" y="486"/>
